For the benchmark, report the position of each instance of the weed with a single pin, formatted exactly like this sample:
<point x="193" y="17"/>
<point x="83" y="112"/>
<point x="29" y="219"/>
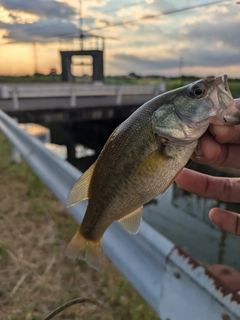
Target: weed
<point x="4" y="258"/>
<point x="35" y="228"/>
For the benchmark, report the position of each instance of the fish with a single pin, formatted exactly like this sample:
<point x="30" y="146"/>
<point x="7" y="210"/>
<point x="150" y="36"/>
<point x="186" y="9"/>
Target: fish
<point x="142" y="157"/>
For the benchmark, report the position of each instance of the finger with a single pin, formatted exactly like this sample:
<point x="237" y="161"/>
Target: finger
<point x="225" y="134"/>
<point x="208" y="151"/>
<point x="237" y="102"/>
<point x="203" y="185"/>
<point x="226" y="220"/>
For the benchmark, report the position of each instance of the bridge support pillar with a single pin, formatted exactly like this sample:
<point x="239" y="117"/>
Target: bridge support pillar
<point x="66" y="68"/>
<point x="71" y="151"/>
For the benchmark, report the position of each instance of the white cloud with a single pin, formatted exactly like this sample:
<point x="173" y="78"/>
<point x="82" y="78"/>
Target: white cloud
<point x="42" y="8"/>
<point x="40" y="31"/>
<point x="206" y="38"/>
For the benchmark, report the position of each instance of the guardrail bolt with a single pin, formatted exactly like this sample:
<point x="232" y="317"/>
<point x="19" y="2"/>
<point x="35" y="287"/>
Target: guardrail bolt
<point x="177" y="274"/>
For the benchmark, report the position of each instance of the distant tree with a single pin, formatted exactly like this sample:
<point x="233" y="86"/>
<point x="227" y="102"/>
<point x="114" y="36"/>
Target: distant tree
<point x="133" y="75"/>
<point x="53" y="72"/>
<point x="37" y="74"/>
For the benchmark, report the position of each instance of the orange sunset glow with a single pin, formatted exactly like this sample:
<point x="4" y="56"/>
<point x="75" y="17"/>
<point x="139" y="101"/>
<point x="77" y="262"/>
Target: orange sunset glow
<point x="145" y="37"/>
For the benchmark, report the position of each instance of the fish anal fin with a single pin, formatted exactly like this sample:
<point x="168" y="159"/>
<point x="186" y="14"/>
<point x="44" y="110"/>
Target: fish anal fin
<point x="132" y="221"/>
<point x="79" y="191"/>
<point x="84" y="249"/>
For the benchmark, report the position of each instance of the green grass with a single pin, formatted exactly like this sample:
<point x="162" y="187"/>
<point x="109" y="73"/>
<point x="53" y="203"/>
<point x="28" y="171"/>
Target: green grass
<point x="35" y="190"/>
<point x="33" y="78"/>
<point x="234" y="86"/>
<point x="38" y="227"/>
<point x="3" y="257"/>
<point x="171" y="83"/>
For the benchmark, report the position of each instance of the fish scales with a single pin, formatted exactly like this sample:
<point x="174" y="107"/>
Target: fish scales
<point x="122" y="159"/>
<point x="143" y="156"/>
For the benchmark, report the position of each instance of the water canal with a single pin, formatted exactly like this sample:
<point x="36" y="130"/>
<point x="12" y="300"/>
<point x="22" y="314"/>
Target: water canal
<point x="178" y="215"/>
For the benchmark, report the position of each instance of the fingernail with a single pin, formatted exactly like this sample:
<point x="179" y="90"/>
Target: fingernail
<point x="198" y="150"/>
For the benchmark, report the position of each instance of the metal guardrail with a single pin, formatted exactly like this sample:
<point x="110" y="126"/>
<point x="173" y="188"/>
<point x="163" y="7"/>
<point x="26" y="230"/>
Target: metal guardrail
<point x="175" y="285"/>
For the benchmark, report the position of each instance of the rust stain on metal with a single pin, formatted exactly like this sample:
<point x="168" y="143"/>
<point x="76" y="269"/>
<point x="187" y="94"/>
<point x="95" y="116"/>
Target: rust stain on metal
<point x="225" y="316"/>
<point x="218" y="285"/>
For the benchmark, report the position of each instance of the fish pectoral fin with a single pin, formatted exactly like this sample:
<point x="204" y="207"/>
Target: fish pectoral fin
<point x="84" y="249"/>
<point x="79" y="191"/>
<point x="132" y="221"/>
<point x="151" y="164"/>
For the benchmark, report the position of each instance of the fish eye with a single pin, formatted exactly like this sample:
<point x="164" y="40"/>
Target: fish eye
<point x="198" y="92"/>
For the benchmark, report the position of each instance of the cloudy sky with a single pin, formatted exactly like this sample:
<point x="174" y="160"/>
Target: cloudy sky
<point x="142" y="36"/>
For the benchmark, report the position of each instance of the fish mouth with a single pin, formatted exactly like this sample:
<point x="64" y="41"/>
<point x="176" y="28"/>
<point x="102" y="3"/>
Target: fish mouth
<point x="232" y="119"/>
<point x="222" y="83"/>
<point x="230" y="114"/>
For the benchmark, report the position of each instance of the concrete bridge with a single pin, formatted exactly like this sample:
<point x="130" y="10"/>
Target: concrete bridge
<point x="72" y="102"/>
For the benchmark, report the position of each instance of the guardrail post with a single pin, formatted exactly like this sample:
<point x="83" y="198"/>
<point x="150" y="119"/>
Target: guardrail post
<point x="73" y="100"/>
<point x="15" y="154"/>
<point x="48" y="136"/>
<point x="119" y="96"/>
<point x="159" y="89"/>
<point x="4" y="92"/>
<point x="15" y="99"/>
<point x="162" y="87"/>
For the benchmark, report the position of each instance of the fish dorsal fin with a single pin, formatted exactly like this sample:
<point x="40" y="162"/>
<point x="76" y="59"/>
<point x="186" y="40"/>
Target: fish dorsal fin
<point x="79" y="191"/>
<point x="132" y="221"/>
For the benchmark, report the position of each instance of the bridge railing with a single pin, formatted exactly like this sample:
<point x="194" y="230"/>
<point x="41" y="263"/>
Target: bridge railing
<point x="33" y="90"/>
<point x="175" y="285"/>
<point x="15" y="92"/>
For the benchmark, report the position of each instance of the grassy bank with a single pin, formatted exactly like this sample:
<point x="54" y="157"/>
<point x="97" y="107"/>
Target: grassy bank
<point x="171" y="83"/>
<point x="35" y="276"/>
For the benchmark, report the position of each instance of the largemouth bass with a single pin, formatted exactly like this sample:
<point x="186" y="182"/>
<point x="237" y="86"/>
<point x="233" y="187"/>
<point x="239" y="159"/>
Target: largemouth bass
<point x="142" y="157"/>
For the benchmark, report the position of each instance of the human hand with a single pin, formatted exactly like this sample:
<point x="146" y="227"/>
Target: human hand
<point x="220" y="147"/>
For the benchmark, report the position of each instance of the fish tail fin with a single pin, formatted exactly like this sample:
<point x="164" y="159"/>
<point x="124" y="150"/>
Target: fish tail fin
<point x="84" y="249"/>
